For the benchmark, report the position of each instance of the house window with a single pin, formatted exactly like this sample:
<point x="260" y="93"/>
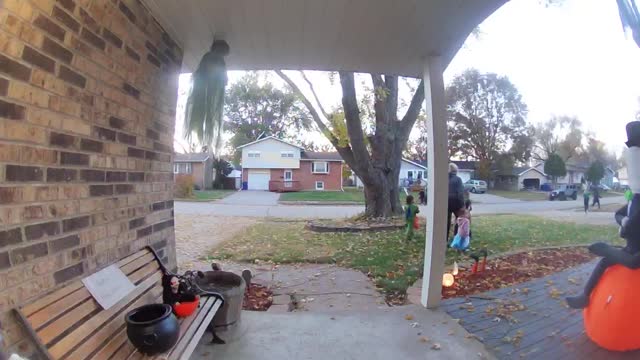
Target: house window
<point x="286" y="154"/>
<point x="254" y="154"/>
<point x="288" y="175"/>
<point x="320" y="167"/>
<point x="319" y="185"/>
<point x="182" y="168"/>
<point x="410" y="174"/>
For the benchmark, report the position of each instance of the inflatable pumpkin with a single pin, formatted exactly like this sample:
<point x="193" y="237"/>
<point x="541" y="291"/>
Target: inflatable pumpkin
<point x="612" y="318"/>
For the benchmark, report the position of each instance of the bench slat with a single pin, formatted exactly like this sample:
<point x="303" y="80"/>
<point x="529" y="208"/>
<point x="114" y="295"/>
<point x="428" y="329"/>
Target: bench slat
<point x="64" y="345"/>
<point x="57" y="308"/>
<point x="67" y="321"/>
<point x="108" y="330"/>
<point x="188" y="334"/>
<point x="41" y="303"/>
<point x="112" y="346"/>
<point x="197" y="335"/>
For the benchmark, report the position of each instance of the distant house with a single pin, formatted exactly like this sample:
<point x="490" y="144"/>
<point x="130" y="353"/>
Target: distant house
<point x="410" y="172"/>
<point x="276" y="165"/>
<point x="575" y="173"/>
<point x="609" y="177"/>
<point x="466" y="169"/>
<point x="198" y="165"/>
<point x="519" y="178"/>
<point x="623" y="177"/>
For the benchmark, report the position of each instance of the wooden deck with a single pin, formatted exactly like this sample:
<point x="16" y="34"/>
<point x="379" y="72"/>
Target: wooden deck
<point x="531" y="320"/>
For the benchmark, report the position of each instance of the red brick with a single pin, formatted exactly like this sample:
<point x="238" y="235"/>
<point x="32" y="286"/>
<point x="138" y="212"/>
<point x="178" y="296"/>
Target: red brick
<point x="152" y="134"/>
<point x="33" y="212"/>
<point x="105" y="134"/>
<point x="135" y="223"/>
<point x="131" y="90"/>
<point x="23" y="173"/>
<point x="4" y="87"/>
<point x="76" y="223"/>
<point x="72" y="77"/>
<point x="56" y="50"/>
<point x="151" y="47"/>
<point x="68" y="273"/>
<point x="10" y="237"/>
<point x="11" y="111"/>
<point x="5" y="262"/>
<point x="127" y="139"/>
<point x="127" y="12"/>
<point x="116" y="176"/>
<point x="112" y="38"/>
<point x="35" y="58"/>
<point x="132" y="54"/>
<point x="91" y="145"/>
<point x="10" y="195"/>
<point x="117" y="123"/>
<point x="62" y="140"/>
<point x="67" y="158"/>
<point x="137" y="153"/>
<point x="64" y="243"/>
<point x="89" y="21"/>
<point x="152" y="59"/>
<point x="124" y="189"/>
<point x="92" y="175"/>
<point x="61" y="175"/>
<point x="93" y="39"/>
<point x="28" y="253"/>
<point x="49" y="27"/>
<point x="66" y="19"/>
<point x="144" y="232"/>
<point x="68" y="4"/>
<point x="136" y="177"/>
<point x="101" y="190"/>
<point x="38" y="231"/>
<point x="14" y="69"/>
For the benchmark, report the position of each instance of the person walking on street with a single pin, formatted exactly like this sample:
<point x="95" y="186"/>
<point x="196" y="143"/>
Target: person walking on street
<point x="456" y="195"/>
<point x="596" y="196"/>
<point x="586" y="195"/>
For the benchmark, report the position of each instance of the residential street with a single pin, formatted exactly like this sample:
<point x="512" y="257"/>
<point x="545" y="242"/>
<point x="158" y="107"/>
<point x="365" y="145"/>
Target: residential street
<point x="264" y="204"/>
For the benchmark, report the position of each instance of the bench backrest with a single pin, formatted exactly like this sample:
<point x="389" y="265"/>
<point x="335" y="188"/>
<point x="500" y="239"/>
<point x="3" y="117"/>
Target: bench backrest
<point x="68" y="323"/>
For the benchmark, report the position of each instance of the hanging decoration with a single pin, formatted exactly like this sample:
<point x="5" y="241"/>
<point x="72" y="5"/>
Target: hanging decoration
<point x="630" y="18"/>
<point x="205" y="103"/>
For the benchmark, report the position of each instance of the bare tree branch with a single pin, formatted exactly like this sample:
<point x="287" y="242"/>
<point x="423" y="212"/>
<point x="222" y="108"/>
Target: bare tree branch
<point x="410" y="117"/>
<point x="315" y="95"/>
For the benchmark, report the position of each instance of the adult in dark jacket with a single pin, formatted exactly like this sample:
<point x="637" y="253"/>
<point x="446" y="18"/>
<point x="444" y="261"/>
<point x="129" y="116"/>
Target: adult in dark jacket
<point x="456" y="195"/>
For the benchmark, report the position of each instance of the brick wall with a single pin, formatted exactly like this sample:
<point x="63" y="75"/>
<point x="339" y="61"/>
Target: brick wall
<point x="332" y="180"/>
<point x="87" y="102"/>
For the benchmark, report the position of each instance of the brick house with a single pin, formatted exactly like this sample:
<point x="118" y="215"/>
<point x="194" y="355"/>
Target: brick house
<point x="87" y="111"/>
<point x="276" y="165"/>
<point x="199" y="166"/>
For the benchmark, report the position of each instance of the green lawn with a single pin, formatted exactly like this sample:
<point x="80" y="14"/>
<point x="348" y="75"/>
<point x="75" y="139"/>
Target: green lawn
<point x="393" y="263"/>
<point x="206" y="195"/>
<point x="348" y="195"/>
<point x="521" y="195"/>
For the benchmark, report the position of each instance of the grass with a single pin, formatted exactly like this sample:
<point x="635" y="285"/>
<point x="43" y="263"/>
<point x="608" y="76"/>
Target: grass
<point x="208" y="195"/>
<point x="393" y="263"/>
<point x="521" y="195"/>
<point x="353" y="195"/>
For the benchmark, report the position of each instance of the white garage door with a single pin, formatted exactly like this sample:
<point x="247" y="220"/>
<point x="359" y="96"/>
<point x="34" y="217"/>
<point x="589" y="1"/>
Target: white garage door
<point x="259" y="180"/>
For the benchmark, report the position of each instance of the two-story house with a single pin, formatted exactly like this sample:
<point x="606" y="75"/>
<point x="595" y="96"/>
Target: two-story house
<point x="276" y="165"/>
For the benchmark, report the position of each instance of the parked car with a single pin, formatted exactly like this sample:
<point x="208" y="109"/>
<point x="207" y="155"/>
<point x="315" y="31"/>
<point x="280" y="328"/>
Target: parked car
<point x="476" y="186"/>
<point x="603" y="187"/>
<point x="546" y="187"/>
<point x="564" y="192"/>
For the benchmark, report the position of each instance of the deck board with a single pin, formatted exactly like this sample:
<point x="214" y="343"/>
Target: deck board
<point x="550" y="330"/>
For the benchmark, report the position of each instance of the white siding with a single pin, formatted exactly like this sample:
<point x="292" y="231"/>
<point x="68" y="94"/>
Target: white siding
<point x="530" y="174"/>
<point x="465" y="175"/>
<point x="405" y="167"/>
<point x="270" y="151"/>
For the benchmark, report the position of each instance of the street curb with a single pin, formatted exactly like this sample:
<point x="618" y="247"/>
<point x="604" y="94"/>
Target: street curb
<point x="321" y="203"/>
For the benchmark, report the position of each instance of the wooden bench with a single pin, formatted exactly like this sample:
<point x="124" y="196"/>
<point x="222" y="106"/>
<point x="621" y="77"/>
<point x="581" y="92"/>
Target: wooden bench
<point x="69" y="324"/>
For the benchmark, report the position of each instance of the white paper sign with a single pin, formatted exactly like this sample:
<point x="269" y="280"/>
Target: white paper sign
<point x="108" y="286"/>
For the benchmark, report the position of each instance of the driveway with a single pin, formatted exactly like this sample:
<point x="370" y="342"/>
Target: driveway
<point x="261" y="198"/>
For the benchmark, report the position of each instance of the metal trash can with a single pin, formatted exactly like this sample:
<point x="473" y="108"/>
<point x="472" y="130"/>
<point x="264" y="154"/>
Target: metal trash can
<point x="226" y="322"/>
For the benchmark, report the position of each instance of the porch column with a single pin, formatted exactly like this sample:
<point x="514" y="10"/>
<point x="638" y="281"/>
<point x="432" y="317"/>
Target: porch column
<point x="438" y="184"/>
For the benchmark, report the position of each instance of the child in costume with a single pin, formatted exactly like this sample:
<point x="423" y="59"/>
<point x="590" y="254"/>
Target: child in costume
<point x="410" y="213"/>
<point x="462" y="239"/>
<point x="628" y="217"/>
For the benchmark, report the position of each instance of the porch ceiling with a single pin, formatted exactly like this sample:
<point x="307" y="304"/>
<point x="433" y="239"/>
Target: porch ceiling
<point x="380" y="36"/>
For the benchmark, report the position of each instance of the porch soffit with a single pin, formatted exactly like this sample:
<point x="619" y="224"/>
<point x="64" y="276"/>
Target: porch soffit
<point x="379" y="36"/>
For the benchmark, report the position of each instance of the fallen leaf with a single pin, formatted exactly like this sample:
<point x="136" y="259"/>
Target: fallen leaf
<point x="424" y="339"/>
<point x="435" y="346"/>
<point x="408" y="317"/>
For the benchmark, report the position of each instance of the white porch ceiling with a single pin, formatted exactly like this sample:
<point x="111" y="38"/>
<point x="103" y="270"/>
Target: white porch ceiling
<point x="379" y="36"/>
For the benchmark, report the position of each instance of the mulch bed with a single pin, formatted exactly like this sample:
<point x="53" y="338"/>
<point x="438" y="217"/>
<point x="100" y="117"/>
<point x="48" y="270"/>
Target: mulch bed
<point x="514" y="269"/>
<point x="257" y="298"/>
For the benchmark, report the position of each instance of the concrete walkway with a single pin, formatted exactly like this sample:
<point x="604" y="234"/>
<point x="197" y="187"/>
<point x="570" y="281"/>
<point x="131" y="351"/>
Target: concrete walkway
<point x="408" y="332"/>
<point x="259" y="198"/>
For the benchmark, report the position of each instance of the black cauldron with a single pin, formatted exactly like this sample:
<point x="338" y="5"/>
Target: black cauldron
<point x="152" y="329"/>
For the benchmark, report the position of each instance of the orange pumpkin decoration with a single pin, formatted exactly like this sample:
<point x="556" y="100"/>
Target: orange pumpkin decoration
<point x="612" y="319"/>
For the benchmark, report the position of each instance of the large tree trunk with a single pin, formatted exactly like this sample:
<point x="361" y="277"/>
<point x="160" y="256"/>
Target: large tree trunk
<point x="381" y="192"/>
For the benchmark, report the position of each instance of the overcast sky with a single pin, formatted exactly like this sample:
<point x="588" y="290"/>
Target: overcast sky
<point x="572" y="59"/>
